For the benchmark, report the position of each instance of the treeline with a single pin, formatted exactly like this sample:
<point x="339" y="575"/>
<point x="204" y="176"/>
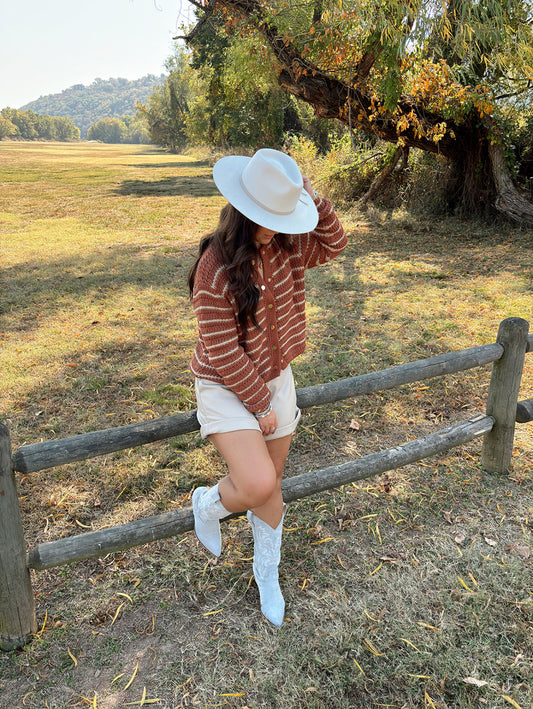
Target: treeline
<point x="28" y="125"/>
<point x="127" y="129"/>
<point x="104" y="98"/>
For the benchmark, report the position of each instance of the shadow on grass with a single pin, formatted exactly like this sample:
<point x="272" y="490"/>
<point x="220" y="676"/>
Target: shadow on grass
<point x="36" y="288"/>
<point x="197" y="186"/>
<point x="176" y="165"/>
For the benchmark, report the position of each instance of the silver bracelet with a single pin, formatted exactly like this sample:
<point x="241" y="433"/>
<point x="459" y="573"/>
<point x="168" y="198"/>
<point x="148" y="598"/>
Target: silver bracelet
<point x="264" y="413"/>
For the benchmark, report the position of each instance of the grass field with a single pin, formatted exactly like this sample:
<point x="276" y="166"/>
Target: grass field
<point x="410" y="590"/>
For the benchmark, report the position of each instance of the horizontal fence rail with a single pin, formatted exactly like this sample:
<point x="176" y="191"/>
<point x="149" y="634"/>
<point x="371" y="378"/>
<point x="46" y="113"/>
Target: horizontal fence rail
<point x="48" y="454"/>
<point x="524" y="411"/>
<point x="17" y="608"/>
<point x="168" y="524"/>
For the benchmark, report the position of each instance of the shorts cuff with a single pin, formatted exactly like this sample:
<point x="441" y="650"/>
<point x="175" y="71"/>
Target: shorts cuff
<point x="206" y="429"/>
<point x="286" y="430"/>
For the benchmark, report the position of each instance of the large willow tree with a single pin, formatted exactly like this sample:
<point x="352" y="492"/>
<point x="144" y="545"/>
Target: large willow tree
<point x="438" y="75"/>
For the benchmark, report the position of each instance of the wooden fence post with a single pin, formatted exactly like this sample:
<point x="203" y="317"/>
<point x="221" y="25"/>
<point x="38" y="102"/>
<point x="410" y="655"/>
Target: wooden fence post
<point x="17" y="607"/>
<point x="503" y="395"/>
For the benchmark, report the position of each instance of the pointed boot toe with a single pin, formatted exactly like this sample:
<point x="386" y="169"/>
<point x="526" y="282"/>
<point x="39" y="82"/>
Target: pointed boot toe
<point x="272" y="603"/>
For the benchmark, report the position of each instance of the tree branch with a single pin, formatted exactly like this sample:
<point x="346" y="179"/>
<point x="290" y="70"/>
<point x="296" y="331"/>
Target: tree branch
<point x="515" y="93"/>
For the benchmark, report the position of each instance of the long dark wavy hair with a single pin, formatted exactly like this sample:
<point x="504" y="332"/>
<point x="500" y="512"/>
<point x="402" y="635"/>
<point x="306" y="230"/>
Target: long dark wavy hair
<point x="233" y="243"/>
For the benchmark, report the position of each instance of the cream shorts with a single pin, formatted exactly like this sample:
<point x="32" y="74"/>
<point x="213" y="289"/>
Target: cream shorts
<point x="221" y="411"/>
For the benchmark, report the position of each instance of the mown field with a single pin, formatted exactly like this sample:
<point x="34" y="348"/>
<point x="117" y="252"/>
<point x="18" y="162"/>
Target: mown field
<point x="410" y="590"/>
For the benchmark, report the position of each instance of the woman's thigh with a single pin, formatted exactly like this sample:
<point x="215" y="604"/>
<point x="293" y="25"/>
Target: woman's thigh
<point x="278" y="450"/>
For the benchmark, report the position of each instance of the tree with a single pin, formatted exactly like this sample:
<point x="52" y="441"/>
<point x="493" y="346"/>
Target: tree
<point x="24" y="121"/>
<point x="108" y="130"/>
<point x="7" y="128"/>
<point x="137" y="130"/>
<point x="168" y="106"/>
<point x="241" y="103"/>
<point x="438" y="75"/>
<point x="65" y="129"/>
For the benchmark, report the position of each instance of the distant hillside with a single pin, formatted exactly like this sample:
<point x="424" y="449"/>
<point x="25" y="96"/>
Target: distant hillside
<point x="84" y="105"/>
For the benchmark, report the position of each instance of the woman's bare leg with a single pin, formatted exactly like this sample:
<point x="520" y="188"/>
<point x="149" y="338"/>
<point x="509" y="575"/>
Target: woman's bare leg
<point x="255" y="470"/>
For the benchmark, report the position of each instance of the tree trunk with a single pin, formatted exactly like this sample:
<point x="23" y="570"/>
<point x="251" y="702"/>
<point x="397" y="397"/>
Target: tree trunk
<point x="382" y="176"/>
<point x="509" y="201"/>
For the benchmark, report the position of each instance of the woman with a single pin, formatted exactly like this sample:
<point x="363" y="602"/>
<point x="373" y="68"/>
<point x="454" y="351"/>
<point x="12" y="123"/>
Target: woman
<point x="249" y="299"/>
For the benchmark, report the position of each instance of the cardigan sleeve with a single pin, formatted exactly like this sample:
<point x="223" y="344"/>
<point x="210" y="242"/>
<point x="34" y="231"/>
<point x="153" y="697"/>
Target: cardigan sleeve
<point x="219" y="347"/>
<point x="327" y="240"/>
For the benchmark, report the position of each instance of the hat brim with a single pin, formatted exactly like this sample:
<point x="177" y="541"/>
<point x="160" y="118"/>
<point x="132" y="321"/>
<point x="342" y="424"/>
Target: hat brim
<point x="227" y="176"/>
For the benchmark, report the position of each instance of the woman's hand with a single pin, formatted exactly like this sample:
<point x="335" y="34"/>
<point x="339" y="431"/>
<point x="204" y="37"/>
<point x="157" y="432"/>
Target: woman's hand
<point x="268" y="424"/>
<point x="307" y="186"/>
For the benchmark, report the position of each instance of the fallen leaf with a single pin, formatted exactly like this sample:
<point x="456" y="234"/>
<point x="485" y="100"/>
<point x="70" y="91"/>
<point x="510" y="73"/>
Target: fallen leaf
<point x="125" y="595"/>
<point x="132" y="677"/>
<point x="372" y="649"/>
<point x="490" y="542"/>
<point x="359" y="667"/>
<point x="459" y="538"/>
<point x="465" y="586"/>
<point x="521" y="550"/>
<point x="117" y="613"/>
<point x="355" y="425"/>
<point x="475" y="682"/>
<point x="411" y="644"/>
<point x="72" y="657"/>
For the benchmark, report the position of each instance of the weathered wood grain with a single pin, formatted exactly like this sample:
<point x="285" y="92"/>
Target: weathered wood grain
<point x="502" y="398"/>
<point x="48" y="454"/>
<point x="524" y="411"/>
<point x="17" y="609"/>
<point x="143" y="531"/>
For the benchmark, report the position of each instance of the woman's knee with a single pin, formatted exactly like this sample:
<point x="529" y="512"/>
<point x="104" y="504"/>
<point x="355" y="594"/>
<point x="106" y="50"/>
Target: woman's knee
<point x="258" y="486"/>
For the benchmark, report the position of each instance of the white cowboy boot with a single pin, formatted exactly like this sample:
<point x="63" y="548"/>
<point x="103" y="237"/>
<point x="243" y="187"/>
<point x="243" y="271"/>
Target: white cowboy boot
<point x="208" y="509"/>
<point x="267" y="552"/>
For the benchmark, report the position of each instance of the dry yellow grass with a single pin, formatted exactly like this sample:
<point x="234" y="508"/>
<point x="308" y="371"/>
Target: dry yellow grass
<point x="398" y="590"/>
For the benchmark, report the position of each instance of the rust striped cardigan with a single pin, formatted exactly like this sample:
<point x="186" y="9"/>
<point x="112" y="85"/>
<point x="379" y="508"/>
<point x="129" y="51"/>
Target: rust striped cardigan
<point x="243" y="360"/>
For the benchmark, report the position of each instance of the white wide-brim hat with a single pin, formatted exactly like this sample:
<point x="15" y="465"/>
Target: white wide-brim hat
<point x="268" y="189"/>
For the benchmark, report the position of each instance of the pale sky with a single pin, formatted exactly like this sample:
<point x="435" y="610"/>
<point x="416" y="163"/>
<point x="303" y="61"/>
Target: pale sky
<point x="48" y="45"/>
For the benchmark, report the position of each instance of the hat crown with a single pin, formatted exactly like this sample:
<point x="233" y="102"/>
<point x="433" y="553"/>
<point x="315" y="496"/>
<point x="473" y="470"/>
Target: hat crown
<point x="273" y="180"/>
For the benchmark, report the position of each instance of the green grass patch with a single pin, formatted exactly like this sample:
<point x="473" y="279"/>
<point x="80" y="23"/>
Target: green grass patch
<point x="412" y="589"/>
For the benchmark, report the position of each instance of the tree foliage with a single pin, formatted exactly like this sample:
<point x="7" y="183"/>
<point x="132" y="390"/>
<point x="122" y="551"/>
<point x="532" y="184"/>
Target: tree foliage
<point x="127" y="129"/>
<point x="28" y="125"/>
<point x="241" y="104"/>
<point x="440" y="75"/>
<point x="168" y="106"/>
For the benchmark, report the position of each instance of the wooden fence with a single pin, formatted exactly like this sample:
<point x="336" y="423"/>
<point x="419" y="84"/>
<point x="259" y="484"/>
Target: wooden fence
<point x="497" y="425"/>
